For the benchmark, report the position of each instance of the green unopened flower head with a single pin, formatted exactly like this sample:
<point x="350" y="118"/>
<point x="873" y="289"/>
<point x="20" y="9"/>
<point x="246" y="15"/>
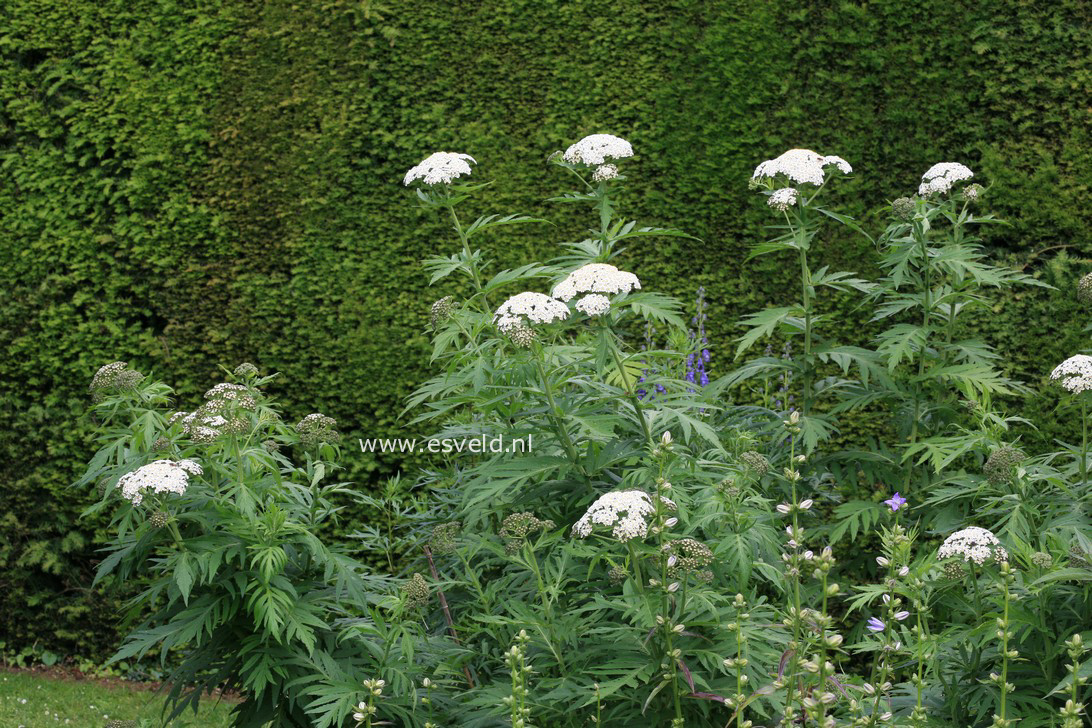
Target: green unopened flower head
<point x="1042" y="559"/>
<point x="113" y="378"/>
<point x="973" y="191"/>
<point x="415" y="592"/>
<point x="729" y="488"/>
<point x="756" y="461"/>
<point x="617" y="574"/>
<point x="122" y="724"/>
<point x="1000" y="465"/>
<point x="686" y="555"/>
<point x="517" y="527"/>
<point x="236" y="426"/>
<point x="1078" y="559"/>
<point x="903" y="209"/>
<point x="159" y="519"/>
<point x="521" y="335"/>
<point x="443" y="537"/>
<point x="246" y="370"/>
<point x="1084" y="288"/>
<point x="315" y="429"/>
<point x="954" y="570"/>
<point x="441" y="311"/>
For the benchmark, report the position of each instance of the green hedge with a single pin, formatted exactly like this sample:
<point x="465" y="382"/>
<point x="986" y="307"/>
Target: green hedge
<point x="188" y="184"/>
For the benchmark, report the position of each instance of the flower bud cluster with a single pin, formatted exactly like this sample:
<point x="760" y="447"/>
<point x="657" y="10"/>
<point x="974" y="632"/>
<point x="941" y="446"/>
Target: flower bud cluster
<point x="444" y="537"/>
<point x="415" y="592"/>
<point x="517" y="527"/>
<point x="315" y="429"/>
<point x="366" y="711"/>
<point x="114" y="378"/>
<point x="738" y="664"/>
<point x="1071" y="712"/>
<point x="440" y="312"/>
<point x="1001" y="465"/>
<point x="516" y="660"/>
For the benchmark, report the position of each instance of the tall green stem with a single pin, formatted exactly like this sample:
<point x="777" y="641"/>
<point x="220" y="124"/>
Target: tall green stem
<point x="794" y="659"/>
<point x="559" y="425"/>
<point x="1005" y="645"/>
<point x="474" y="274"/>
<point x="1084" y="441"/>
<point x="805" y="277"/>
<point x="926" y="306"/>
<point x="628" y="385"/>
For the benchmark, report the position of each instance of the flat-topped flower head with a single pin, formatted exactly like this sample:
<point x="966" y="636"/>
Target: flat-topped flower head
<point x="229" y="392"/>
<point x="624" y="511"/>
<point x="161" y="476"/>
<point x="529" y="307"/>
<point x="593" y="304"/>
<point x="596" y="278"/>
<point x="973" y="544"/>
<point x="1075" y="373"/>
<point x="596" y="149"/>
<point x="112" y="378"/>
<point x="440" y="168"/>
<point x="783" y="199"/>
<point x="317" y="428"/>
<point x="939" y="178"/>
<point x="802" y="166"/>
<point x="604" y="172"/>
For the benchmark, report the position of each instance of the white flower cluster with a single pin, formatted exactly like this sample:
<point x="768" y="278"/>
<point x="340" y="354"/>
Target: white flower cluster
<point x="593" y="304"/>
<point x="802" y="166"/>
<point x="596" y="149"/>
<point x="973" y="544"/>
<point x="161" y="476"/>
<point x="783" y="199"/>
<point x="596" y="278"/>
<point x="534" y="307"/>
<point x="199" y="425"/>
<point x="625" y="510"/>
<point x="441" y="167"/>
<point x="604" y="172"/>
<point x="231" y="392"/>
<point x="941" y="176"/>
<point x="1075" y="373"/>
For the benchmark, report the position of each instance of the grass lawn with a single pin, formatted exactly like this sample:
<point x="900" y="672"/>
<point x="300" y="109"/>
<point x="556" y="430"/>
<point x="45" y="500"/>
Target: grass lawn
<point x="36" y="700"/>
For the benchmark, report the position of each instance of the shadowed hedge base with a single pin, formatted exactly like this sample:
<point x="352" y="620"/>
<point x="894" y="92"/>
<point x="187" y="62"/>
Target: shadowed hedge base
<point x="185" y="187"/>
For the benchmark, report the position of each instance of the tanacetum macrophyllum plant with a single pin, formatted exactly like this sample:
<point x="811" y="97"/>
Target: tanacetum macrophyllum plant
<point x="216" y="512"/>
<point x="674" y="550"/>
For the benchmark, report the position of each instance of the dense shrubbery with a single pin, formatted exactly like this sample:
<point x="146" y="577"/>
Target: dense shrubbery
<point x="187" y="185"/>
<point x="669" y="551"/>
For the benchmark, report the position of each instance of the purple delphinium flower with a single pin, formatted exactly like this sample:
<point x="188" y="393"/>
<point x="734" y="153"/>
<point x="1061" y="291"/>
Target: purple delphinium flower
<point x="696" y="371"/>
<point x="896" y="502"/>
<point x="876" y="625"/>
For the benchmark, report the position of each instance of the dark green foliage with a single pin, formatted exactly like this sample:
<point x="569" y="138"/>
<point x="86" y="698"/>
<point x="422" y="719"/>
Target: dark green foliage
<point x="187" y="184"/>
